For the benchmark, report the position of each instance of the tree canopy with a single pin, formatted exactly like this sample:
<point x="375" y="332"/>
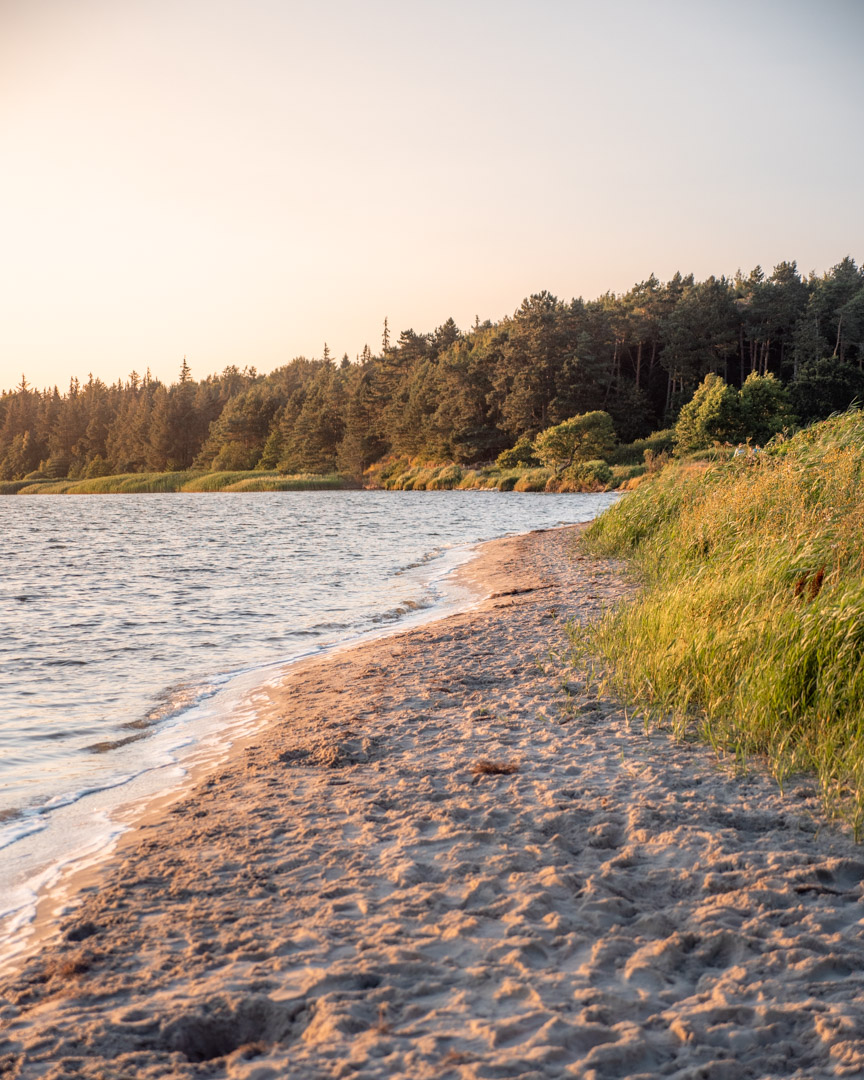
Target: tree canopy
<point x="468" y="396"/>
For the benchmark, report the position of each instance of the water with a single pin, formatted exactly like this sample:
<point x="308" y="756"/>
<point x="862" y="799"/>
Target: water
<point x="134" y="626"/>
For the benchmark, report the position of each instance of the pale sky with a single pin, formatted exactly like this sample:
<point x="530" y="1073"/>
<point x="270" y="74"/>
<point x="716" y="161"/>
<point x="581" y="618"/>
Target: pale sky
<point x="240" y="181"/>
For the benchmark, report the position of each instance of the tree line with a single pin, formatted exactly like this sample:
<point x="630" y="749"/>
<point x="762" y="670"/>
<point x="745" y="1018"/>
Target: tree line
<point x="463" y="396"/>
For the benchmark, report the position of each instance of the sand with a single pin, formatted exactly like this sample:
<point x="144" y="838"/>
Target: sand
<point x="355" y="894"/>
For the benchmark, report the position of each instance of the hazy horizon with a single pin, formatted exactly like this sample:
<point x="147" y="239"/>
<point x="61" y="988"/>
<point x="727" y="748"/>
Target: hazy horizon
<point x="241" y="183"/>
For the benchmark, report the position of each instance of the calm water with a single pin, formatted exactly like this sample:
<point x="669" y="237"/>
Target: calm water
<point x="121" y="615"/>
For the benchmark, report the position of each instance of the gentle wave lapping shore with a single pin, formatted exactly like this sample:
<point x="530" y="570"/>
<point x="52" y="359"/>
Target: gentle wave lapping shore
<point x="445" y="855"/>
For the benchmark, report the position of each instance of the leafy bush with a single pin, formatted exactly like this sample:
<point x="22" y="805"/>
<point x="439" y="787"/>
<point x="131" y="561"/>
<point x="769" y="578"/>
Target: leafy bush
<point x="581" y="438"/>
<point x="710" y="416"/>
<point x="658" y="442"/>
<point x="520" y="454"/>
<point x="585" y="476"/>
<point x="720" y="413"/>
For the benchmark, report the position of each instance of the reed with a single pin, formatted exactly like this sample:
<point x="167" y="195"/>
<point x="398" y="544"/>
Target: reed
<point x="138" y="483"/>
<point x="121" y="484"/>
<point x="300" y="482"/>
<point x="218" y="481"/>
<point x="750" y="626"/>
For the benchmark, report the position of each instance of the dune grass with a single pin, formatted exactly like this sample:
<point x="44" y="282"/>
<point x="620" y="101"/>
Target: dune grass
<point x="750" y="626"/>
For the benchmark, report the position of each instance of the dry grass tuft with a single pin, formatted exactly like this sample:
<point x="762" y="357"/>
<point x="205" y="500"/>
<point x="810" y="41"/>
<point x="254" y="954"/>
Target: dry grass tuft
<point x="484" y="767"/>
<point x="68" y="965"/>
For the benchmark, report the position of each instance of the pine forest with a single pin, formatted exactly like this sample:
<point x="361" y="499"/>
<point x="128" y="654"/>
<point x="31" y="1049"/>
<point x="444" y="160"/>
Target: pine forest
<point x="462" y="396"/>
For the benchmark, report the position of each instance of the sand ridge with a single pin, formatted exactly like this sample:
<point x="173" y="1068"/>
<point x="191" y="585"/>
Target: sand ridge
<point x="350" y="896"/>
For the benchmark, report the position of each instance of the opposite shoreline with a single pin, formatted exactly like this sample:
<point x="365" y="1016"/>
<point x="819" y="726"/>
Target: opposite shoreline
<point x="444" y="855"/>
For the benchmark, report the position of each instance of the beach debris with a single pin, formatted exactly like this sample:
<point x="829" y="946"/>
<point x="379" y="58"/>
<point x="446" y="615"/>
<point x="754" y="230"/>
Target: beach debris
<point x="485" y="767"/>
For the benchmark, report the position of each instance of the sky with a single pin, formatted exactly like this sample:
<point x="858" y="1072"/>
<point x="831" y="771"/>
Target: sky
<point x="241" y="181"/>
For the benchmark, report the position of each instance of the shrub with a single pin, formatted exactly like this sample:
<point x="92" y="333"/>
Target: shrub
<point x="711" y="415"/>
<point x="582" y="438"/>
<point x="658" y="442"/>
<point x="586" y="476"/>
<point x="520" y="454"/>
<point x="719" y="413"/>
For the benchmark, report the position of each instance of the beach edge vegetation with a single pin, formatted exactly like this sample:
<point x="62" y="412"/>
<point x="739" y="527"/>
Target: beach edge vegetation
<point x="749" y="626"/>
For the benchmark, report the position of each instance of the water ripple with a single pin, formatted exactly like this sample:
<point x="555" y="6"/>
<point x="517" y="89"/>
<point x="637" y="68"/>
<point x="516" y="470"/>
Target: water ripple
<point x="122" y="613"/>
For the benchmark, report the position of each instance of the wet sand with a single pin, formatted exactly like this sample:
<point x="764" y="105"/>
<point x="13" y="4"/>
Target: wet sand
<point x="443" y="855"/>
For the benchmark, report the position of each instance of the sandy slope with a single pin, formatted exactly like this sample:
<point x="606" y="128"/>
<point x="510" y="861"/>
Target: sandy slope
<point x="348" y="899"/>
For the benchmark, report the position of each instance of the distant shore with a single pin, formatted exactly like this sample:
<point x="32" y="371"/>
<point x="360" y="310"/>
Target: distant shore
<point x="428" y="477"/>
<point x="445" y="855"/>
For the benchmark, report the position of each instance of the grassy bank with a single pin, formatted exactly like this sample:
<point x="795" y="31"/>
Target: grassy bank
<point x="751" y="622"/>
<point x="138" y="483"/>
<point x="407" y="474"/>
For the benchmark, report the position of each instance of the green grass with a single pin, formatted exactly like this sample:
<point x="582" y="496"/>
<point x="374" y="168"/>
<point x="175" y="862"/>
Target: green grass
<point x="750" y="626"/>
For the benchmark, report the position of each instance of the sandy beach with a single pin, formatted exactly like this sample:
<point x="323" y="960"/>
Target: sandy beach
<point x="445" y="855"/>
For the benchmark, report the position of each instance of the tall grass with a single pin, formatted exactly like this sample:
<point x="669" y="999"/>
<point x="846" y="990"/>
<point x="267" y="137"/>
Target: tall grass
<point x="137" y="483"/>
<point x="216" y="481"/>
<point x="300" y="482"/>
<point x="14" y="487"/>
<point x="122" y="484"/>
<point x="751" y="623"/>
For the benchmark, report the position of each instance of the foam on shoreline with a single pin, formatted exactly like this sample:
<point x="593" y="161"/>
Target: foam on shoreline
<point x="197" y="727"/>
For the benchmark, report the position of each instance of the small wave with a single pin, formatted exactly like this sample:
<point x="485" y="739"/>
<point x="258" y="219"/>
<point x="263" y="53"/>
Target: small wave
<point x="435" y="553"/>
<point x="114" y="744"/>
<point x="405" y="608"/>
<point x="178" y="699"/>
<point x="74" y="796"/>
<point x="20" y="827"/>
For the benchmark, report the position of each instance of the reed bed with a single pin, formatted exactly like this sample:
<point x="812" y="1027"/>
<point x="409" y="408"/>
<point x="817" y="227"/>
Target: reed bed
<point x="300" y="482"/>
<point x="189" y="481"/>
<point x="121" y="484"/>
<point x="750" y="626"/>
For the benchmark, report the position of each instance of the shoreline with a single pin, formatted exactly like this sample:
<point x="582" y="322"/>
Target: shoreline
<point x="354" y="893"/>
<point x="56" y="885"/>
